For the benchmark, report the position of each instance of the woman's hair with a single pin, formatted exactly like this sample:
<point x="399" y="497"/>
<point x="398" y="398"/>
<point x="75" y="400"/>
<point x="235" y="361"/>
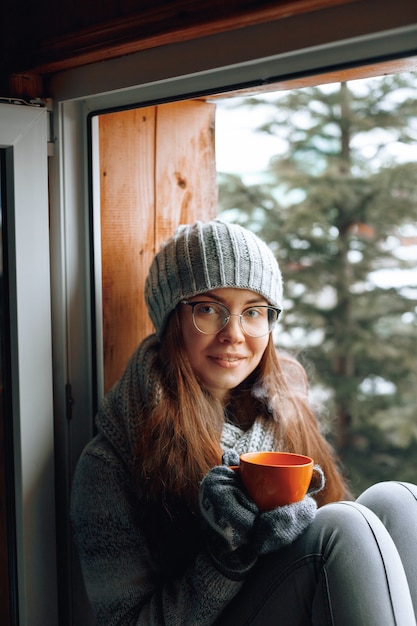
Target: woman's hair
<point x="283" y="388"/>
<point x="179" y="441"/>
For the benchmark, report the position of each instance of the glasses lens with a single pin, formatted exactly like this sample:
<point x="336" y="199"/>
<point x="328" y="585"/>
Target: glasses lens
<point x="210" y="317"/>
<point x="259" y="320"/>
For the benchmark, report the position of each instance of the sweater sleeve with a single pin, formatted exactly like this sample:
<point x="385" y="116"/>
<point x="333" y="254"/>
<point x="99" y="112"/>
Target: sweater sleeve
<point x="119" y="577"/>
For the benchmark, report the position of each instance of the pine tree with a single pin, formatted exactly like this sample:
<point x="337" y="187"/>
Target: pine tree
<point x="335" y="207"/>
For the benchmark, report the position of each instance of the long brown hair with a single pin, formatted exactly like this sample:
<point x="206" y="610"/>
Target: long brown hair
<point x="284" y="383"/>
<point x="179" y="441"/>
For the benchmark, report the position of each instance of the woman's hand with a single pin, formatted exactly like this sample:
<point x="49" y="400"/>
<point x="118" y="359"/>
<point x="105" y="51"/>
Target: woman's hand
<point x="237" y="533"/>
<point x="281" y="526"/>
<point x="228" y="517"/>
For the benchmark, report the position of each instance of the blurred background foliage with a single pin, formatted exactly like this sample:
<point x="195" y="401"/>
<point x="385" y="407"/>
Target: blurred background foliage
<point x="338" y="205"/>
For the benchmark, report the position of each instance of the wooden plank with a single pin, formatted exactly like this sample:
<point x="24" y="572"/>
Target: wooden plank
<point x="396" y="66"/>
<point x="185" y="176"/>
<point x="108" y="32"/>
<point x="127" y="155"/>
<point x="157" y="168"/>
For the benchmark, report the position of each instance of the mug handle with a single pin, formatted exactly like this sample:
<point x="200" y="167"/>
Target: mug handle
<point x="318" y="480"/>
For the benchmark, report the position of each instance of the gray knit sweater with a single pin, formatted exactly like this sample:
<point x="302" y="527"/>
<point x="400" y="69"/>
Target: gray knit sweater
<point x="121" y="575"/>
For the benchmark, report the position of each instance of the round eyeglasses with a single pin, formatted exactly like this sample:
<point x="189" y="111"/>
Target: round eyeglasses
<point x="211" y="317"/>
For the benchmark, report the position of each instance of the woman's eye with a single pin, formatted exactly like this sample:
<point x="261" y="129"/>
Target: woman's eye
<point x="252" y="313"/>
<point x="207" y="309"/>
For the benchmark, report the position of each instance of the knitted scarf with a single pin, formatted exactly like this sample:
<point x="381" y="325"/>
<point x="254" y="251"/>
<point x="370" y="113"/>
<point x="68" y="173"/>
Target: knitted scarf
<point x="140" y="388"/>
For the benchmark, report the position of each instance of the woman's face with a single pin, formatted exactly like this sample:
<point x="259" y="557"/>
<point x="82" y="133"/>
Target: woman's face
<point x="223" y="360"/>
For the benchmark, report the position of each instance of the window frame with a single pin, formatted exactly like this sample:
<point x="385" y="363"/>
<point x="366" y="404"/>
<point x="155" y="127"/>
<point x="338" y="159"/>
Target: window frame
<point x="23" y="136"/>
<point x="245" y="59"/>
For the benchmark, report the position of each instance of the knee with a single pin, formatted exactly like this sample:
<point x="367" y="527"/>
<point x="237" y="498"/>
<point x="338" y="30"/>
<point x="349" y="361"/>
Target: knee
<point x="389" y="494"/>
<point x="347" y="522"/>
<point x="385" y="493"/>
<point x="351" y="529"/>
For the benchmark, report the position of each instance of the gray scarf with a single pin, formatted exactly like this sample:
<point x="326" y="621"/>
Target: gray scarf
<point x="140" y="386"/>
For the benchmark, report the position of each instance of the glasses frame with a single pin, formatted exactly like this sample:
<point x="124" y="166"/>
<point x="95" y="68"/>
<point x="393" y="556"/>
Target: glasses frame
<point x="227" y="318"/>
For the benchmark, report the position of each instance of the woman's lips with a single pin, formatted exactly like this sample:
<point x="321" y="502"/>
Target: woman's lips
<point x="227" y="360"/>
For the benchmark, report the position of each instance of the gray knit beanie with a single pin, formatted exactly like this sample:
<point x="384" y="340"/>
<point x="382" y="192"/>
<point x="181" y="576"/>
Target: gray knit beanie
<point x="206" y="256"/>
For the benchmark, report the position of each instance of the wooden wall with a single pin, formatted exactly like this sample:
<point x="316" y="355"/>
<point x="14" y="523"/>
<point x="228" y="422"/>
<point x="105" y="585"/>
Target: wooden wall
<point x="46" y="36"/>
<point x="157" y="170"/>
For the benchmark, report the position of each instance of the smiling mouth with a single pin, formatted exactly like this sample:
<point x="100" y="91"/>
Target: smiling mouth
<point x="229" y="359"/>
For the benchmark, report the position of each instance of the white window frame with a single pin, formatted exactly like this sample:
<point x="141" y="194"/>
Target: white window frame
<point x="23" y="134"/>
<point x="253" y="56"/>
<point x="306" y="44"/>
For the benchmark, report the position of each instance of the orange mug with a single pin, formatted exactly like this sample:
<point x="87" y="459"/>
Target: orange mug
<point x="275" y="478"/>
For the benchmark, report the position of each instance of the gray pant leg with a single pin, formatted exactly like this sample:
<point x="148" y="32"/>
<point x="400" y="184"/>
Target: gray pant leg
<point x="395" y="503"/>
<point x="343" y="571"/>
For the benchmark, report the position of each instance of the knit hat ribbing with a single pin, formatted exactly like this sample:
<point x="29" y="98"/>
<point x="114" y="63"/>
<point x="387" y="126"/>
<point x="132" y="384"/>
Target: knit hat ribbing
<point x="201" y="257"/>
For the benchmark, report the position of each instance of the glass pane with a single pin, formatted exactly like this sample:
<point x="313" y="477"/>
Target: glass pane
<point x="326" y="174"/>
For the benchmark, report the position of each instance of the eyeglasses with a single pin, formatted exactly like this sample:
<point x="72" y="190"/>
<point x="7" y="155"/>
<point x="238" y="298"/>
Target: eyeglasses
<point x="211" y="317"/>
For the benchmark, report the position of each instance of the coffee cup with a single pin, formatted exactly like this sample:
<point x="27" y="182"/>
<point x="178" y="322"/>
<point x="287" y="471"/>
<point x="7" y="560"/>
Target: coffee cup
<point x="275" y="478"/>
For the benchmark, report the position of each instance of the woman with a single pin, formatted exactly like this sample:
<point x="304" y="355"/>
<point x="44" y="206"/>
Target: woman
<point x="165" y="531"/>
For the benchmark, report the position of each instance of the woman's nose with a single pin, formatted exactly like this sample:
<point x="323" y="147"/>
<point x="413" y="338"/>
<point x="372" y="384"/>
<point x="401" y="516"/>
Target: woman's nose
<point x="233" y="330"/>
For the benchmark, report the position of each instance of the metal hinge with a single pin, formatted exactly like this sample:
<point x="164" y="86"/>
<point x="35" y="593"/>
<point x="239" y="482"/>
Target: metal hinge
<point x="33" y="102"/>
<point x="51" y="134"/>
